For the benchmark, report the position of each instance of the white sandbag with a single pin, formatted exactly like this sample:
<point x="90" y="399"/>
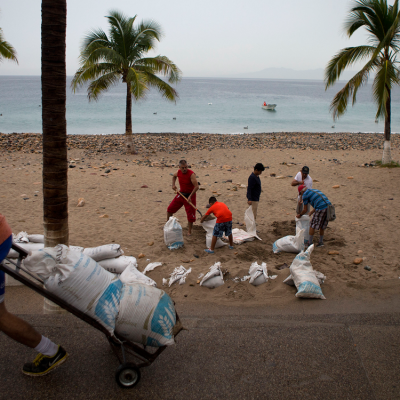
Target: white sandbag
<point x="36" y="238"/>
<point x="304" y="276"/>
<point x="239" y="235"/>
<point x="132" y="275"/>
<point x="146" y="315"/>
<point x="173" y="236"/>
<point x="258" y="273"/>
<point x="78" y="280"/>
<point x="151" y="266"/>
<point x="104" y="252"/>
<point x="304" y="223"/>
<point x="179" y="274"/>
<point x="117" y="265"/>
<point x="77" y="248"/>
<point x="27" y="247"/>
<point x="214" y="278"/>
<point x="290" y="244"/>
<point x="209" y="228"/>
<point x="319" y="275"/>
<point x="22" y="237"/>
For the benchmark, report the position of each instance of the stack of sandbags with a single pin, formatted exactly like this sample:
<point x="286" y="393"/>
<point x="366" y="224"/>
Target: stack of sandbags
<point x="26" y="242"/>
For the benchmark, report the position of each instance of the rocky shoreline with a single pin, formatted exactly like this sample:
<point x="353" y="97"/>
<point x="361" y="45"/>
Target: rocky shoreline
<point x="177" y="142"/>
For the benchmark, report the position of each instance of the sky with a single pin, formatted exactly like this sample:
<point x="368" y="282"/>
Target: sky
<point x="207" y="38"/>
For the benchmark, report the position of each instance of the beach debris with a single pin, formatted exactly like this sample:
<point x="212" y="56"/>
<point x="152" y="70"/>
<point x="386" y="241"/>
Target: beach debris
<point x="179" y="274"/>
<point x="335" y="186"/>
<point x="141" y="255"/>
<point x="245" y="278"/>
<point x="195" y="255"/>
<point x="273" y="277"/>
<point x="143" y="186"/>
<point x="151" y="266"/>
<point x="280" y="177"/>
<point x="214" y="278"/>
<point x="104" y="216"/>
<point x="81" y="202"/>
<point x="350" y="177"/>
<point x="333" y="253"/>
<point x="359" y="252"/>
<point x="367" y="268"/>
<point x="165" y="282"/>
<point x="358" y="261"/>
<point x="150" y="243"/>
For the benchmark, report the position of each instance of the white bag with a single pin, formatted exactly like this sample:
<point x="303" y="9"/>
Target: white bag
<point x="173" y="236"/>
<point x="290" y="244"/>
<point x="132" y="275"/>
<point x="258" y="273"/>
<point x="146" y="315"/>
<point x="22" y="237"/>
<point x="209" y="228"/>
<point x="151" y="266"/>
<point x="36" y="238"/>
<point x="104" y="252"/>
<point x="304" y="223"/>
<point x="118" y="265"/>
<point x="319" y="275"/>
<point x="214" y="278"/>
<point x="239" y="235"/>
<point x="27" y="247"/>
<point x="79" y="281"/>
<point x="304" y="276"/>
<point x="179" y="274"/>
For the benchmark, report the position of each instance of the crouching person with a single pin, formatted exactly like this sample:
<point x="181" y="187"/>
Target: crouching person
<point x="223" y="224"/>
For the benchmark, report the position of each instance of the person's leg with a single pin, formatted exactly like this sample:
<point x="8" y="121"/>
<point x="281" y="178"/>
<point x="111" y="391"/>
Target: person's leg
<point x="230" y="237"/>
<point x="174" y="206"/>
<point x="311" y="236"/>
<point x="169" y="215"/>
<point x="213" y="243"/>
<point x="254" y="207"/>
<point x="191" y="216"/>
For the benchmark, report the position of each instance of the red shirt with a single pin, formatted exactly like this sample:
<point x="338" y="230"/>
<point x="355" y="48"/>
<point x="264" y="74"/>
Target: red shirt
<point x="186" y="185"/>
<point x="5" y="230"/>
<point x="221" y="211"/>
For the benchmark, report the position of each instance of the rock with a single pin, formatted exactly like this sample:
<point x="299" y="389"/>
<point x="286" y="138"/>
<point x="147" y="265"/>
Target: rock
<point x="81" y="202"/>
<point x="280" y="177"/>
<point x="272" y="174"/>
<point x="144" y="186"/>
<point x="336" y="186"/>
<point x="198" y="282"/>
<point x="141" y="255"/>
<point x="367" y="268"/>
<point x="358" y="261"/>
<point x="133" y="175"/>
<point x="150" y="243"/>
<point x="359" y="252"/>
<point x="195" y="255"/>
<point x="104" y="216"/>
<point x="107" y="171"/>
<point x="202" y="188"/>
<point x="350" y="177"/>
<point x="333" y="253"/>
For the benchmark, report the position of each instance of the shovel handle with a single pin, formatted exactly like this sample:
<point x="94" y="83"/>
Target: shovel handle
<point x="190" y="203"/>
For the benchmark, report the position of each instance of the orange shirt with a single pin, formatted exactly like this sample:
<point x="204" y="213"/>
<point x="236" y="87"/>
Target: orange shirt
<point x="221" y="211"/>
<point x="5" y="230"/>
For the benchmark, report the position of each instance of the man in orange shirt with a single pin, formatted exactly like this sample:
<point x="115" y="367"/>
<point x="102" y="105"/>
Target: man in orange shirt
<point x="223" y="224"/>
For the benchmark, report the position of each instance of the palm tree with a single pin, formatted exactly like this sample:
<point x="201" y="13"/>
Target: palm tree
<point x="382" y="24"/>
<point x="6" y="50"/>
<point x="104" y="60"/>
<point x="55" y="164"/>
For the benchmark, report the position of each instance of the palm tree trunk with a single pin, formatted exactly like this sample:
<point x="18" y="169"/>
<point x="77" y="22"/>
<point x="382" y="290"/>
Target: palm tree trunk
<point x="55" y="166"/>
<point x="386" y="157"/>
<point x="130" y="148"/>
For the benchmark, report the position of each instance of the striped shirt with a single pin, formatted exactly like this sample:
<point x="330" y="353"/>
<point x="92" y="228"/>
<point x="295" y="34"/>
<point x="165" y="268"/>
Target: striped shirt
<point x="313" y="196"/>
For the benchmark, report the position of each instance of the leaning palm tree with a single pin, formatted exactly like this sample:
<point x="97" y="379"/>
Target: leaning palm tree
<point x="105" y="60"/>
<point x="382" y="24"/>
<point x="6" y="50"/>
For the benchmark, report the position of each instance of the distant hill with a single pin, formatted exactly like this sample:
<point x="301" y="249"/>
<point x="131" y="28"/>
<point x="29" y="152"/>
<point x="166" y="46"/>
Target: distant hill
<point x="287" y="73"/>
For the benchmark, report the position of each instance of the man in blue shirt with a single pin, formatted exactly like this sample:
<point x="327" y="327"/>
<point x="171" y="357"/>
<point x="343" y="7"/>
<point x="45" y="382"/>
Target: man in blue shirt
<point x="319" y="213"/>
<point x="254" y="188"/>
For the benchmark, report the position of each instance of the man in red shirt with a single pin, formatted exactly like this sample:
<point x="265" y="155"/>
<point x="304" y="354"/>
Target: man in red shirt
<point x="223" y="224"/>
<point x="188" y="187"/>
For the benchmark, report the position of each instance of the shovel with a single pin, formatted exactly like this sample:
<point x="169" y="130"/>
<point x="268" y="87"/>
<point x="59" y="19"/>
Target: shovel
<point x="190" y="203"/>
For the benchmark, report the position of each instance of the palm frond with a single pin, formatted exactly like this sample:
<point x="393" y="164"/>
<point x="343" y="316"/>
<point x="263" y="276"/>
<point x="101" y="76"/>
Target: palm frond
<point x="7" y="50"/>
<point x="138" y="83"/>
<point x="92" y="72"/>
<point x="166" y="90"/>
<point x="161" y="65"/>
<point x="100" y="85"/>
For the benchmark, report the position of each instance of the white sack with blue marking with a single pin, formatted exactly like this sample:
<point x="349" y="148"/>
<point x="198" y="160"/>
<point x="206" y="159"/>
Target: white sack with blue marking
<point x="173" y="236"/>
<point x="304" y="276"/>
<point x="146" y="315"/>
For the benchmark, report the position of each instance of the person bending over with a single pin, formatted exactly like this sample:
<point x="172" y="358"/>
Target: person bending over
<point x="319" y="213"/>
<point x="223" y="224"/>
<point x="188" y="187"/>
<point x="50" y="354"/>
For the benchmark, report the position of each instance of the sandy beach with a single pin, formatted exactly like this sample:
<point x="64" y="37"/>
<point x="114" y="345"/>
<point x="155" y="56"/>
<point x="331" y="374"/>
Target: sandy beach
<point x="119" y="210"/>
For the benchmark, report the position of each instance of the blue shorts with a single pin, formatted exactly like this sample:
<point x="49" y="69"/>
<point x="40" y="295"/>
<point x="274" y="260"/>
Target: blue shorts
<point x="4" y="249"/>
<point x="221" y="228"/>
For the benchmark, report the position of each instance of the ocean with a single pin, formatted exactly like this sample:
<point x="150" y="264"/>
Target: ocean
<point x="205" y="105"/>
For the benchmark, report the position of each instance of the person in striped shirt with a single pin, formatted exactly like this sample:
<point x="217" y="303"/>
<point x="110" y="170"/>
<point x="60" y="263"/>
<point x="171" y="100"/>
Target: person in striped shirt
<point x="319" y="219"/>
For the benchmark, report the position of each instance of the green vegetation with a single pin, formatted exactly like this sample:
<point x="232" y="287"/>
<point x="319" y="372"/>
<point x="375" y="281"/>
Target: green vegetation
<point x="6" y="50"/>
<point x="381" y="22"/>
<point x="105" y="60"/>
<point x="392" y="164"/>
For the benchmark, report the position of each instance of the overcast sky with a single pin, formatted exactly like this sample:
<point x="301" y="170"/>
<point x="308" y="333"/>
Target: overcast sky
<point x="207" y="38"/>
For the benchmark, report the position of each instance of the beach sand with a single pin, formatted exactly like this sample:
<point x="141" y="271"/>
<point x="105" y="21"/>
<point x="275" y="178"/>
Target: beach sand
<point x="118" y="210"/>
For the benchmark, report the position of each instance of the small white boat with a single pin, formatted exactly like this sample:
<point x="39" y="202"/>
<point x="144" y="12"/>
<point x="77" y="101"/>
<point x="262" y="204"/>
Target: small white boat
<point x="268" y="107"/>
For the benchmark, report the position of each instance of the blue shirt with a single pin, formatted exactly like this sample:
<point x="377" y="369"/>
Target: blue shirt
<point x="253" y="188"/>
<point x="313" y="196"/>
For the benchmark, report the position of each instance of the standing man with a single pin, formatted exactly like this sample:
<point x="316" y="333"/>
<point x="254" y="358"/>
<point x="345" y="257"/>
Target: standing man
<point x="50" y="354"/>
<point x="254" y="188"/>
<point x="319" y="214"/>
<point x="188" y="186"/>
<point x="303" y="178"/>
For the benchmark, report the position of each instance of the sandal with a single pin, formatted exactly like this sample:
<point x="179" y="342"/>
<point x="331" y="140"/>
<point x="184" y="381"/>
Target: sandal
<point x="209" y="251"/>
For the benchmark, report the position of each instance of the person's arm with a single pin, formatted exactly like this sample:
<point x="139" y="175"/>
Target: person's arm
<point x="250" y="186"/>
<point x="311" y="212"/>
<point x="195" y="184"/>
<point x="209" y="211"/>
<point x="174" y="188"/>
<point x="295" y="182"/>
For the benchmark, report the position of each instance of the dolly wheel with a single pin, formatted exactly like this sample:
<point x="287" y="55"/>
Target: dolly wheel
<point x="127" y="375"/>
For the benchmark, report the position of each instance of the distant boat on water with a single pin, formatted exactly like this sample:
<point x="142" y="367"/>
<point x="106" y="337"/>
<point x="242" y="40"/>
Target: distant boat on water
<point x="268" y="106"/>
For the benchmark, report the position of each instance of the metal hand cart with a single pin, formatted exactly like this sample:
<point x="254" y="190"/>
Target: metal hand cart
<point x="127" y="374"/>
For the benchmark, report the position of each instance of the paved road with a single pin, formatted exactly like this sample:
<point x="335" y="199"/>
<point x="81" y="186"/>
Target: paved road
<point x="228" y="353"/>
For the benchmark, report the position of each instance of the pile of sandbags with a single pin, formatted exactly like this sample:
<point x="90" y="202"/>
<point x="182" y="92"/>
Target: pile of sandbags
<point x="26" y="242"/>
<point x="137" y="311"/>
